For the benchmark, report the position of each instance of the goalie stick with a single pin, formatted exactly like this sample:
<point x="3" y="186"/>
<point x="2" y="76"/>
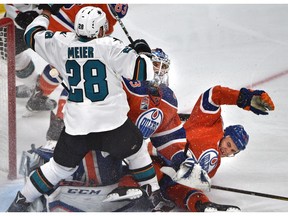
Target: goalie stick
<point x="183" y="116"/>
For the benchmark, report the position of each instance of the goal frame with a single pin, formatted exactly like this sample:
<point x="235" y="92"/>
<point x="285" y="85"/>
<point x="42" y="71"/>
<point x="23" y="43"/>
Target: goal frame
<point x="11" y="106"/>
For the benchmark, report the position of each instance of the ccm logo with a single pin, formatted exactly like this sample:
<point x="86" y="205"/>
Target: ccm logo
<point x="83" y="191"/>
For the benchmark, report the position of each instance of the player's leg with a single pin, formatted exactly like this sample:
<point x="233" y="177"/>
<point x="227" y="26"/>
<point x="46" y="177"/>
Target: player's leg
<point x="56" y="120"/>
<point x="68" y="153"/>
<point x="127" y="142"/>
<point x="39" y="100"/>
<point x="24" y="67"/>
<point x="195" y="200"/>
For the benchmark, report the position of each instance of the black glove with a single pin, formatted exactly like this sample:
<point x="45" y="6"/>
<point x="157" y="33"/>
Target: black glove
<point x="53" y="8"/>
<point x="140" y="45"/>
<point x="23" y="19"/>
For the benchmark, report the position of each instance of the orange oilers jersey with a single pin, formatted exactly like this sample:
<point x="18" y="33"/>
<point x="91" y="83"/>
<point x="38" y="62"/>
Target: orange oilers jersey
<point x="154" y="112"/>
<point x="64" y="20"/>
<point x="204" y="128"/>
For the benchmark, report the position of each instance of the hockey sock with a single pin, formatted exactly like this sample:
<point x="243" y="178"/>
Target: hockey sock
<point x="61" y="102"/>
<point x="142" y="169"/>
<point x="193" y="197"/>
<point x="46" y="82"/>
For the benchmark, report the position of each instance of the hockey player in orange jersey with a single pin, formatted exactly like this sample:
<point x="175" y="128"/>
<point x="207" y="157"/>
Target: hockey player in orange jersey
<point x="208" y="142"/>
<point x="64" y="20"/>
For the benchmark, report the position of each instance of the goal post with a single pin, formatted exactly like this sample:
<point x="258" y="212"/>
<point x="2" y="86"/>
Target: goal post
<point x="8" y="154"/>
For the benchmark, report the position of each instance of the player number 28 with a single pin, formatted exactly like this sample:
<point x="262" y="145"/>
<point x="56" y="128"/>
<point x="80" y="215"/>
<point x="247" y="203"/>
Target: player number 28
<point x="95" y="84"/>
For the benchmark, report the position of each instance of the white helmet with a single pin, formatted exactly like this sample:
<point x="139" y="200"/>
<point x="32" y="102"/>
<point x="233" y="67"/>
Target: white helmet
<point x="89" y="20"/>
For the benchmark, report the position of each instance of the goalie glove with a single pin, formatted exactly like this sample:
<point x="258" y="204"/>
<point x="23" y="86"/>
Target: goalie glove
<point x="189" y="174"/>
<point x="258" y="101"/>
<point x="53" y="8"/>
<point x="23" y="19"/>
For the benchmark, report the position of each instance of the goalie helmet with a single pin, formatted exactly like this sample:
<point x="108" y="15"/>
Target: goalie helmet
<point x="161" y="66"/>
<point x="88" y="22"/>
<point x="238" y="135"/>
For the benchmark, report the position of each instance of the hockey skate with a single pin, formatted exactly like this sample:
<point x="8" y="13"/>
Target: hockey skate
<point x="124" y="194"/>
<point x="213" y="207"/>
<point x="23" y="91"/>
<point x="55" y="127"/>
<point x="40" y="102"/>
<point x="157" y="202"/>
<point x="19" y="204"/>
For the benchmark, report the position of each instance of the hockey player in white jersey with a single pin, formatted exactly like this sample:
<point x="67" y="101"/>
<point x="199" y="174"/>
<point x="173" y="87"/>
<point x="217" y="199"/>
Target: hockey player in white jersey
<point x="95" y="115"/>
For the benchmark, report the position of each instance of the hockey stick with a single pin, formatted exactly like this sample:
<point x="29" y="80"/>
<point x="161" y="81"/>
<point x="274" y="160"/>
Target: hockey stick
<point x="183" y="116"/>
<point x="250" y="193"/>
<point x="55" y="74"/>
<point x="121" y="23"/>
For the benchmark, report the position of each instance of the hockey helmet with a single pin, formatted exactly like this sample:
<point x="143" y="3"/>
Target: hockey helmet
<point x="89" y="20"/>
<point x="161" y="66"/>
<point x="238" y="135"/>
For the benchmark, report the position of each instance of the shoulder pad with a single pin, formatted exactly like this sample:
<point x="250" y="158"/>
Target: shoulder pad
<point x="168" y="95"/>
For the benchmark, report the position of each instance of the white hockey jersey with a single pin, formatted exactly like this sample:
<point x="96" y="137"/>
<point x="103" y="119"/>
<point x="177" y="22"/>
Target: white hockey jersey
<point x="92" y="70"/>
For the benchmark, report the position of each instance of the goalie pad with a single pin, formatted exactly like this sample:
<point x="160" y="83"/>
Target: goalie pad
<point x="72" y="196"/>
<point x="189" y="174"/>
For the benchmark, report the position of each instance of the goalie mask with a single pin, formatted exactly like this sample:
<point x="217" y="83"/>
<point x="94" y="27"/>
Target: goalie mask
<point x="238" y="135"/>
<point x="161" y="64"/>
<point x="89" y="21"/>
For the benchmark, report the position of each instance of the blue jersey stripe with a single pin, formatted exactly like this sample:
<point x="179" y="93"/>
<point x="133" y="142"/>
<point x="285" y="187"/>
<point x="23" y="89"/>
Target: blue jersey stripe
<point x="206" y="103"/>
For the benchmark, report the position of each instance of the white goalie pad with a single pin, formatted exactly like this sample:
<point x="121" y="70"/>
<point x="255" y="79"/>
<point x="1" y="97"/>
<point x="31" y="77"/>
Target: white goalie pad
<point x="82" y="199"/>
<point x="198" y="178"/>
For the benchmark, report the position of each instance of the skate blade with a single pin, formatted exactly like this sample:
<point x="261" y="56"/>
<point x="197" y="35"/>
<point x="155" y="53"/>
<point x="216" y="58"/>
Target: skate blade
<point x="28" y="113"/>
<point x="131" y="194"/>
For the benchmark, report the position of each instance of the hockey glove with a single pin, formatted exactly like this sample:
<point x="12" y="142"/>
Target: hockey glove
<point x="189" y="174"/>
<point x="53" y="8"/>
<point x="258" y="101"/>
<point x="140" y="45"/>
<point x="23" y="19"/>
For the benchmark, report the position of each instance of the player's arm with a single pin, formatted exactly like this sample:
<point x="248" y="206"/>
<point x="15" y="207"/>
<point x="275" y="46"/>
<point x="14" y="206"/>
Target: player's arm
<point x="44" y="42"/>
<point x="11" y="10"/>
<point x="258" y="101"/>
<point x="128" y="63"/>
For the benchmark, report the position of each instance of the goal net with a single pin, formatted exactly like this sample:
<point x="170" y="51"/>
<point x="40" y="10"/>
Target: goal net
<point x="8" y="163"/>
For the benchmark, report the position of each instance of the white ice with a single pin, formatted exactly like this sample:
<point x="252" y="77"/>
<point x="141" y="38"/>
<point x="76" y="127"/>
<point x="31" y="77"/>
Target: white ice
<point x="238" y="45"/>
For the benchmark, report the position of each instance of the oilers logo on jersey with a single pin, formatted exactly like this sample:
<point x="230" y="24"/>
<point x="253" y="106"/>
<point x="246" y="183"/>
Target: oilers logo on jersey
<point x="149" y="121"/>
<point x="208" y="160"/>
